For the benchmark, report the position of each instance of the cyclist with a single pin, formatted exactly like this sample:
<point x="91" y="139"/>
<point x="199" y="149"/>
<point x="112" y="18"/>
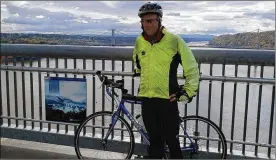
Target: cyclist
<point x="157" y="54"/>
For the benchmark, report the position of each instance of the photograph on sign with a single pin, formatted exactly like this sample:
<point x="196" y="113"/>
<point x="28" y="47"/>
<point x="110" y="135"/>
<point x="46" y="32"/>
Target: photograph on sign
<point x="65" y="99"/>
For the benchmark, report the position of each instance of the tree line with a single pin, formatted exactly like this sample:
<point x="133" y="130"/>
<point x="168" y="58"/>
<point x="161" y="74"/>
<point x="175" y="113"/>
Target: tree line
<point x="262" y="40"/>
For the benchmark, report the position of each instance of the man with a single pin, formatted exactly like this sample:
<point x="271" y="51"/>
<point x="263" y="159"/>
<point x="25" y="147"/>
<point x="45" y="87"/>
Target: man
<point x="157" y="54"/>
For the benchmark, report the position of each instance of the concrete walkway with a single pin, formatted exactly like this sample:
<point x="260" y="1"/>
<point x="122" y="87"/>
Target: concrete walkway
<point x="19" y="149"/>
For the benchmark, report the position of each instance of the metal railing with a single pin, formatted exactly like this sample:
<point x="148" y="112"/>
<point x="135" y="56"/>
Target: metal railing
<point x="225" y="72"/>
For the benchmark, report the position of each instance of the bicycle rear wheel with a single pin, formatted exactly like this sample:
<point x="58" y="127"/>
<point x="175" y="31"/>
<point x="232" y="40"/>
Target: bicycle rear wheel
<point x="89" y="143"/>
<point x="208" y="141"/>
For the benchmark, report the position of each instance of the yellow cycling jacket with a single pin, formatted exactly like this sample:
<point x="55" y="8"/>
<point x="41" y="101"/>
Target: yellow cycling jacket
<point x="158" y="65"/>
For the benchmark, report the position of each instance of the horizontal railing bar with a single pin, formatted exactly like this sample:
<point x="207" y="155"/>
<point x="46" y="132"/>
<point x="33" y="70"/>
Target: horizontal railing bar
<point x="36" y="120"/>
<point x="60" y="70"/>
<point x="118" y="73"/>
<point x="201" y="137"/>
<point x="251" y="143"/>
<point x="203" y="55"/>
<point x="231" y="141"/>
<point x="239" y="79"/>
<point x="62" y="123"/>
<point x="204" y="138"/>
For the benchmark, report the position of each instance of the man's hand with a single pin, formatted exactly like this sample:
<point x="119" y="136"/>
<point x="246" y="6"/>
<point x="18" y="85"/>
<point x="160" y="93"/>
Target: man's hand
<point x="181" y="98"/>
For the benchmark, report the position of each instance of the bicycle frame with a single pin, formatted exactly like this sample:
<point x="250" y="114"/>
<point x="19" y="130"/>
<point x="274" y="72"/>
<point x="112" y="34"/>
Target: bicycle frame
<point x="121" y="108"/>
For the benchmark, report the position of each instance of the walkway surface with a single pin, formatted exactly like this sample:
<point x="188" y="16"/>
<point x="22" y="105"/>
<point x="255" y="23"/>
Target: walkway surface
<point x="19" y="149"/>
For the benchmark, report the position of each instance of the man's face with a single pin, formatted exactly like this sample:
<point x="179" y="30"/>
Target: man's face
<point x="150" y="23"/>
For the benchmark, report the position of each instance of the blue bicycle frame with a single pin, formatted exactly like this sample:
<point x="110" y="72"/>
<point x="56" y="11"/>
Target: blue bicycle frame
<point x="122" y="108"/>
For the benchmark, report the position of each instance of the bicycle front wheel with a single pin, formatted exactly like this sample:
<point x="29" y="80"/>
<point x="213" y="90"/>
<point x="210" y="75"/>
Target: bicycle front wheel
<point x="91" y="141"/>
<point x="201" y="138"/>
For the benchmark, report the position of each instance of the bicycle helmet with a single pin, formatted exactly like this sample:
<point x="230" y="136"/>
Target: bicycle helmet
<point x="150" y="8"/>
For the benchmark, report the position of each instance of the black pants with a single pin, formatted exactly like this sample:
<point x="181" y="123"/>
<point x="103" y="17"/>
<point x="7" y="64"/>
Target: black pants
<point x="161" y="119"/>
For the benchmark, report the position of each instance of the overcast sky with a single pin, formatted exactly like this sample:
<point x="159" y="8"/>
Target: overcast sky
<point x="95" y="17"/>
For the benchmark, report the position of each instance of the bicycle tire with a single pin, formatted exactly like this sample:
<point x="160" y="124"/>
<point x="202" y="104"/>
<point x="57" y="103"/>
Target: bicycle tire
<point x="97" y="114"/>
<point x="223" y="151"/>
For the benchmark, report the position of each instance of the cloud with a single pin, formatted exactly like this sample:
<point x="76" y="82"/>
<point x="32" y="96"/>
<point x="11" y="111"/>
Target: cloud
<point x="262" y="15"/>
<point x="216" y="18"/>
<point x="43" y="20"/>
<point x="40" y="16"/>
<point x="266" y="24"/>
<point x="173" y="14"/>
<point x="238" y="17"/>
<point x="32" y="16"/>
<point x="222" y="30"/>
<point x="206" y="17"/>
<point x="111" y="4"/>
<point x="73" y="25"/>
<point x="190" y="6"/>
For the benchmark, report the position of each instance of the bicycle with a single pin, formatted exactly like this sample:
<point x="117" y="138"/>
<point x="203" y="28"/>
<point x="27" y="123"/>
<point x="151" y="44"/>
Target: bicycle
<point x="190" y="126"/>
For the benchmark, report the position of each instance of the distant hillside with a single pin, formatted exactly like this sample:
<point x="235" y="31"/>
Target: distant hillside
<point x="264" y="40"/>
<point x="88" y="40"/>
<point x="22" y="38"/>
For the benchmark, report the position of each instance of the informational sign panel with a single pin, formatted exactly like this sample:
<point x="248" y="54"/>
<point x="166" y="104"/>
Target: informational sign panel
<point x="65" y="99"/>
